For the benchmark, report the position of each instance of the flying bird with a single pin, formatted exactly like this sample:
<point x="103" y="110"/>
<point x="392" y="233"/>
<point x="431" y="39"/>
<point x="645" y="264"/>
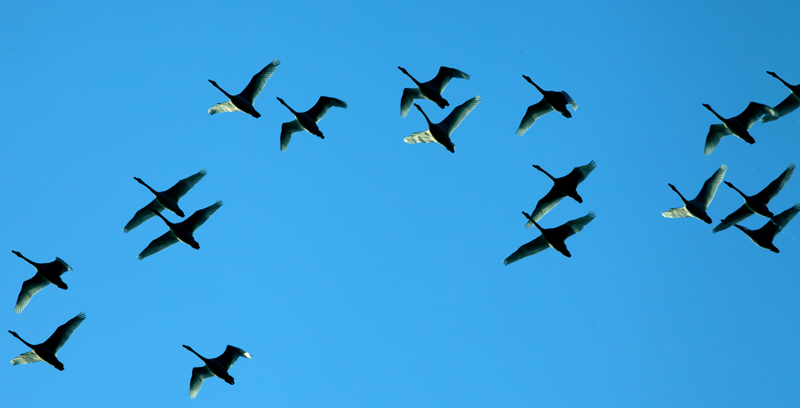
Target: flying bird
<point x="214" y="367"/>
<point x="431" y="90"/>
<point x="562" y="187"/>
<point x="755" y="204"/>
<point x="551" y="100"/>
<point x="164" y="199"/>
<point x="788" y="105"/>
<point x="763" y="236"/>
<point x="551" y="237"/>
<point x="440" y="132"/>
<point x="307" y="120"/>
<point x="737" y="125"/>
<point x="182" y="231"/>
<point x="48" y="350"/>
<point x="46" y="273"/>
<point x="244" y="101"/>
<point x="697" y="207"/>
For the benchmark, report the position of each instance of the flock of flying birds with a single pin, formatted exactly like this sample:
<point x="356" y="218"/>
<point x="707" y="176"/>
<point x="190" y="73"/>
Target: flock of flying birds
<point x="566" y="186"/>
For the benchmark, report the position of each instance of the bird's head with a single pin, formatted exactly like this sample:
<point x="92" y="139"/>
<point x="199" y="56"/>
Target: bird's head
<point x="707" y="106"/>
<point x="16" y="253"/>
<point x="212" y="82"/>
<point x="403" y="70"/>
<point x="138" y="180"/>
<point x="772" y="73"/>
<point x="180" y="213"/>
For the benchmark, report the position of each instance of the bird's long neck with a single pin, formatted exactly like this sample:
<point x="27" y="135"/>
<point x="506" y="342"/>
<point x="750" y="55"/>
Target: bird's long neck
<point x="287" y="106"/>
<point x="217" y="86"/>
<point x="716" y="114"/>
<point x="678" y="192"/>
<point x="546" y="173"/>
<point x="534" y="84"/>
<point x="781" y="79"/>
<point x="195" y="353"/>
<point x="145" y="184"/>
<point x="426" y="118"/>
<point x="169" y="224"/>
<point x="737" y="190"/>
<point x="20" y="339"/>
<point x="412" y="78"/>
<point x="26" y="259"/>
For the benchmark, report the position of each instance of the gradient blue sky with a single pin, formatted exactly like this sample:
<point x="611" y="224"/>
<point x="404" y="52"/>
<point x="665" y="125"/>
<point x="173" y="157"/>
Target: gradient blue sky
<point x="363" y="272"/>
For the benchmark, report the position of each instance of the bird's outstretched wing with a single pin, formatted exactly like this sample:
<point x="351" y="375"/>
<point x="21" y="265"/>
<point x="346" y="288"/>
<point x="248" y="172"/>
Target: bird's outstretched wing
<point x="534" y="112"/>
<point x="63" y="332"/>
<point x="287" y="130"/>
<point x="26" y="358"/>
<point x="159" y="244"/>
<point x="223" y="107"/>
<point x="256" y="84"/>
<point x="531" y="248"/>
<point x="444" y="76"/>
<point x="753" y="112"/>
<point x="578" y="174"/>
<point x="182" y="187"/>
<point x="715" y="134"/>
<point x="29" y="288"/>
<point x="409" y="95"/>
<point x="324" y="103"/>
<point x="230" y="355"/>
<point x="706" y="193"/>
<point x="778" y="222"/>
<point x="733" y="218"/>
<point x="571" y="228"/>
<point x="421" y="137"/>
<point x="200" y="216"/>
<point x="681" y="212"/>
<point x="784" y="108"/>
<point x="198" y="375"/>
<point x="451" y="122"/>
<point x="547" y="203"/>
<point x="770" y="191"/>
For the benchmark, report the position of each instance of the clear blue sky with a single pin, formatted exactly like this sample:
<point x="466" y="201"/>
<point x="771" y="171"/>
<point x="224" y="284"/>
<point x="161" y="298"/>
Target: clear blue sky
<point x="360" y="271"/>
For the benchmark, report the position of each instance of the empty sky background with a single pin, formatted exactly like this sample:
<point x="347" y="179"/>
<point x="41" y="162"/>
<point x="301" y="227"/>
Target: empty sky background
<point x="360" y="271"/>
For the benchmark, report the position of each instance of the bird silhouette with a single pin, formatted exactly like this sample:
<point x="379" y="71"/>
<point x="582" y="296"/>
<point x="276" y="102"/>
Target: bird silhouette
<point x="244" y="101"/>
<point x="214" y="367"/>
<point x="182" y="231"/>
<point x="551" y="100"/>
<point x="755" y="204"/>
<point x="164" y="199"/>
<point x="550" y="238"/>
<point x="440" y="132"/>
<point x="738" y="125"/>
<point x="48" y="350"/>
<point x="431" y="90"/>
<point x="562" y="187"/>
<point x="788" y="105"/>
<point x="307" y="120"/>
<point x="697" y="207"/>
<point x="46" y="273"/>
<point x="763" y="236"/>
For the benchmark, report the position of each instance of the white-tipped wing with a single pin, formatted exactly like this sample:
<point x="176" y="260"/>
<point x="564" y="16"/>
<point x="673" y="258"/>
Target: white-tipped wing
<point x="775" y="187"/>
<point x="182" y="187"/>
<point x="63" y="332"/>
<point x="784" y="108"/>
<point x="159" y="244"/>
<point x="573" y="227"/>
<point x="26" y="358"/>
<point x="753" y="112"/>
<point x="223" y="107"/>
<point x="318" y="111"/>
<point x="29" y="288"/>
<point x="706" y="193"/>
<point x="547" y="203"/>
<point x="733" y="218"/>
<point x="421" y="137"/>
<point x="409" y="94"/>
<point x="444" y="76"/>
<point x="198" y="375"/>
<point x="715" y="134"/>
<point x="200" y="216"/>
<point x="451" y="122"/>
<point x="287" y="130"/>
<point x="230" y="355"/>
<point x="569" y="100"/>
<point x="534" y="112"/>
<point x="531" y="248"/>
<point x="681" y="212"/>
<point x="143" y="215"/>
<point x="256" y="84"/>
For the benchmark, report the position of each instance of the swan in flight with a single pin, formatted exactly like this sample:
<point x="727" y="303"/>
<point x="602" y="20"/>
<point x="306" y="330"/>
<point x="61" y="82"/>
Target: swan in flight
<point x="307" y="120"/>
<point x="789" y="104"/>
<point x="551" y="237"/>
<point x="763" y="236"/>
<point x="551" y="100"/>
<point x="244" y="101"/>
<point x="48" y="350"/>
<point x="46" y="273"/>
<point x="737" y="125"/>
<point x="440" y="132"/>
<point x="164" y="199"/>
<point x="755" y="204"/>
<point x="214" y="367"/>
<point x="562" y="187"/>
<point x="697" y="207"/>
<point x="431" y="90"/>
<point x="182" y="231"/>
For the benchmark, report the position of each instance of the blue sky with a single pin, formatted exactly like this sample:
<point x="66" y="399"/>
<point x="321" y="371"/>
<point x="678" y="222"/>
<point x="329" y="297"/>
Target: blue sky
<point x="363" y="272"/>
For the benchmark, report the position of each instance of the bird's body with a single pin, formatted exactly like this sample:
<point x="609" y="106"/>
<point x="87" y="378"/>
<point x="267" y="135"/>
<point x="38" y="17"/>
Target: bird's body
<point x="244" y="100"/>
<point x="756" y="204"/>
<point x="697" y="207"/>
<point x="550" y="238"/>
<point x="164" y="199"/>
<point x="440" y="132"/>
<point x="788" y="105"/>
<point x="431" y="90"/>
<point x="551" y="100"/>
<point x="562" y="187"/>
<point x="182" y="231"/>
<point x="738" y="125"/>
<point x="214" y="367"/>
<point x="764" y="236"/>
<point x="307" y="120"/>
<point x="46" y="273"/>
<point x="48" y="350"/>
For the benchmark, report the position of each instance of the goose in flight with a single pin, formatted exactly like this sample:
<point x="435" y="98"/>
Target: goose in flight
<point x="551" y="100"/>
<point x="182" y="231"/>
<point x="244" y="101"/>
<point x="164" y="199"/>
<point x="755" y="204"/>
<point x="214" y="367"/>
<point x="440" y="132"/>
<point x="431" y="90"/>
<point x="48" y="350"/>
<point x="307" y="120"/>
<point x="763" y="236"/>
<point x="551" y="237"/>
<point x="46" y="273"/>
<point x="562" y="187"/>
<point x="789" y="104"/>
<point x="737" y="125"/>
<point x="697" y="207"/>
